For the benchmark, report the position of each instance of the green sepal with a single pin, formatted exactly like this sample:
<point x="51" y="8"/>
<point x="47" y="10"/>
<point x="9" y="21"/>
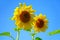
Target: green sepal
<point x="37" y="38"/>
<point x="33" y="34"/>
<point x="54" y="32"/>
<point x="28" y="30"/>
<point x="17" y="29"/>
<point x="5" y="34"/>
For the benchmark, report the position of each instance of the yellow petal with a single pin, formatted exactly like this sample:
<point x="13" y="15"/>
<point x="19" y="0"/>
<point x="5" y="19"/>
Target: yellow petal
<point x="46" y="21"/>
<point x="20" y="5"/>
<point x="36" y="18"/>
<point x="40" y="15"/>
<point x="44" y="28"/>
<point x="32" y="11"/>
<point x="16" y="9"/>
<point x="13" y="18"/>
<point x="29" y="7"/>
<point x="44" y="16"/>
<point x="18" y="24"/>
<point x="27" y="27"/>
<point x="37" y="29"/>
<point x="24" y="6"/>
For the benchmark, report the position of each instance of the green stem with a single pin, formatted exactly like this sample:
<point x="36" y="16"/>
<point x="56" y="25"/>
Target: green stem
<point x="18" y="35"/>
<point x="32" y="37"/>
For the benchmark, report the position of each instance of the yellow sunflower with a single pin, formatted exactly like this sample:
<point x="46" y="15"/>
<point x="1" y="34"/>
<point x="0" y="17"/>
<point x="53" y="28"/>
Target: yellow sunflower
<point x="23" y="16"/>
<point x="40" y="23"/>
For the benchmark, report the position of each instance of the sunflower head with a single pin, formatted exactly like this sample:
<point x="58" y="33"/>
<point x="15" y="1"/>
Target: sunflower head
<point x="40" y="23"/>
<point x="23" y="16"/>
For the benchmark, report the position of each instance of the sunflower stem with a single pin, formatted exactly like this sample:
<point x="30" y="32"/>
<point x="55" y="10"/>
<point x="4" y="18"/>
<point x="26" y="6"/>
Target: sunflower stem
<point x="18" y="35"/>
<point x="32" y="37"/>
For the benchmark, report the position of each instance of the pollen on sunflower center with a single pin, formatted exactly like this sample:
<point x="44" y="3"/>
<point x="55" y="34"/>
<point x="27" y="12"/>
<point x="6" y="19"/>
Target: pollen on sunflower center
<point x="39" y="23"/>
<point x="25" y="16"/>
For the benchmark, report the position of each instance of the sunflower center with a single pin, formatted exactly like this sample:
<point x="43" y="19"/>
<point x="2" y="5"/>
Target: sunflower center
<point x="25" y="16"/>
<point x="40" y="23"/>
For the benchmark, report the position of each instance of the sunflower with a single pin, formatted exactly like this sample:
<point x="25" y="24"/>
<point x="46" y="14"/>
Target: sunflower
<point x="40" y="23"/>
<point x="23" y="16"/>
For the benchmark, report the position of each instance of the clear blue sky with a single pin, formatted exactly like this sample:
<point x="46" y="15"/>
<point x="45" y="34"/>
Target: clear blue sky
<point x="49" y="7"/>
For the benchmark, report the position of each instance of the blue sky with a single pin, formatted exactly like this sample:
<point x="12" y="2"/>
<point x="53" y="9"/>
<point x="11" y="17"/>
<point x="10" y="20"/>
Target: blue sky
<point x="51" y="8"/>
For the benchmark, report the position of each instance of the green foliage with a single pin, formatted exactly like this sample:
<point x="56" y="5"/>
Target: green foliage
<point x="37" y="38"/>
<point x="5" y="34"/>
<point x="54" y="32"/>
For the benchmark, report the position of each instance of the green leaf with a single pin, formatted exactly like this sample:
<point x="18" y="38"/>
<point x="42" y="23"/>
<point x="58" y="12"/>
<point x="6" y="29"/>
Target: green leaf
<point x="5" y="34"/>
<point x="54" y="32"/>
<point x="37" y="38"/>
